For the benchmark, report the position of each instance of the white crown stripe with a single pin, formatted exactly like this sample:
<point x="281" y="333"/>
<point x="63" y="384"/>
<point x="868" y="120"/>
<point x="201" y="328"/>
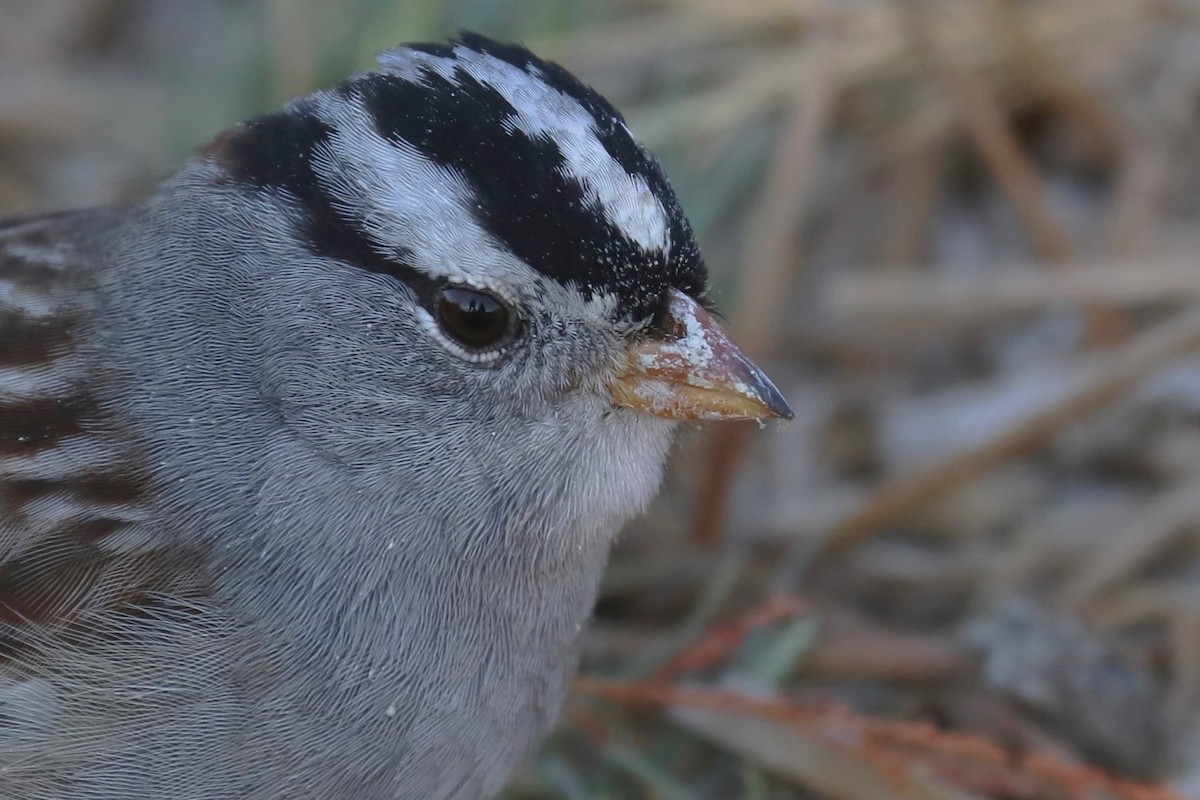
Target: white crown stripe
<point x="543" y="111"/>
<point x="438" y="231"/>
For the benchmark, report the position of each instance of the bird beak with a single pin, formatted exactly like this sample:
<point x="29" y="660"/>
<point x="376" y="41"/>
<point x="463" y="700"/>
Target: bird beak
<point x="694" y="372"/>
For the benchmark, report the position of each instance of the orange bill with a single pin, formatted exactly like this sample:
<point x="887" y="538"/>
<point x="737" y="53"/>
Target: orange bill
<point x="694" y="372"/>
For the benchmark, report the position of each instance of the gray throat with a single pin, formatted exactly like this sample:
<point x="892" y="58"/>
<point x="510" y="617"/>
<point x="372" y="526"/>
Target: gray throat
<point x="456" y="599"/>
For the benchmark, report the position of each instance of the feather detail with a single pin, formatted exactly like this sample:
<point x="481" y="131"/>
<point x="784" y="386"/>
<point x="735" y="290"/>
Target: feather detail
<point x="76" y="528"/>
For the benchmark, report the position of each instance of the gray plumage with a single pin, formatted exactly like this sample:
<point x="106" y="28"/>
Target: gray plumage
<point x="265" y="531"/>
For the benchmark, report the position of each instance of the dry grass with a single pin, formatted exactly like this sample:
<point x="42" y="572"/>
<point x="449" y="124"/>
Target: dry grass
<point x="963" y="233"/>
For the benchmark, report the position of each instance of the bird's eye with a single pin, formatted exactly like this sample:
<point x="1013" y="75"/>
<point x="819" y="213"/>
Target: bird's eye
<point x="474" y="319"/>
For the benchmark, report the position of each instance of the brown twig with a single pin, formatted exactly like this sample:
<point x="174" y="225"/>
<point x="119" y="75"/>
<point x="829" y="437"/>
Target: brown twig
<point x="851" y="648"/>
<point x="760" y="87"/>
<point x="1108" y="377"/>
<point x="913" y="199"/>
<point x="1158" y="525"/>
<point x="721" y="640"/>
<point x="981" y="115"/>
<point x="769" y="264"/>
<point x="1133" y="147"/>
<point x="1058" y="82"/>
<point x="1011" y="289"/>
<point x="899" y="750"/>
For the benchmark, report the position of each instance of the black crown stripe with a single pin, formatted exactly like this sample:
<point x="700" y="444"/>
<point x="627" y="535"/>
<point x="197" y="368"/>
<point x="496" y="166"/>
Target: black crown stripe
<point x="524" y="196"/>
<point x="275" y="153"/>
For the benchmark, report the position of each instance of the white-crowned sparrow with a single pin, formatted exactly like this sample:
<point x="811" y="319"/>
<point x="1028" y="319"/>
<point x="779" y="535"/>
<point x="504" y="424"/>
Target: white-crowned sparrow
<point x="310" y="462"/>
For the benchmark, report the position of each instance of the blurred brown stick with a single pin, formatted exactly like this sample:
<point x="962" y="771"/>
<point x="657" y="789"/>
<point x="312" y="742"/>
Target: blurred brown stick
<point x="1011" y="289"/>
<point x="1101" y="130"/>
<point x="720" y="641"/>
<point x="1108" y="377"/>
<point x="981" y="115"/>
<point x="1169" y="516"/>
<point x="762" y="86"/>
<point x="875" y="758"/>
<point x="769" y="263"/>
<point x="917" y="186"/>
<point x="849" y="647"/>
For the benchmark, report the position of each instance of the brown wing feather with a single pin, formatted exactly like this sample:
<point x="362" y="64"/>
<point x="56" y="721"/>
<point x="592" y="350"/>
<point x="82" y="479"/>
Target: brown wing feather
<point x="77" y="528"/>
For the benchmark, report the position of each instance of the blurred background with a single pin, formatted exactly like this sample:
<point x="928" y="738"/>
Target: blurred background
<point x="964" y="237"/>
